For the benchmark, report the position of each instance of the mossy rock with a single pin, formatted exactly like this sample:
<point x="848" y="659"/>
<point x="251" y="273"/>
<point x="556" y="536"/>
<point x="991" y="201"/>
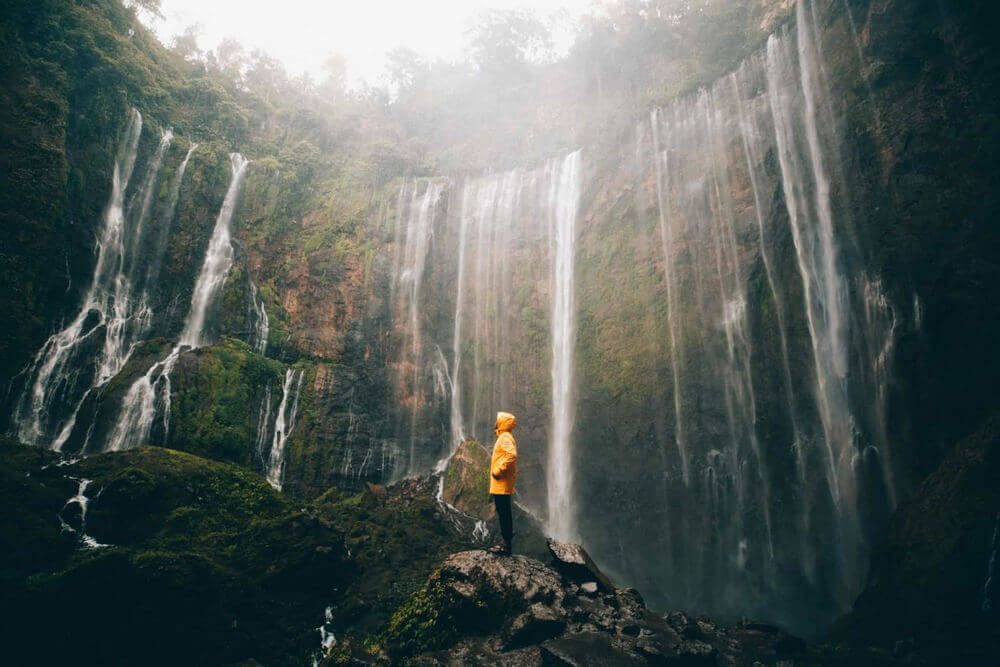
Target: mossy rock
<point x="204" y="561"/>
<point x="467" y="481"/>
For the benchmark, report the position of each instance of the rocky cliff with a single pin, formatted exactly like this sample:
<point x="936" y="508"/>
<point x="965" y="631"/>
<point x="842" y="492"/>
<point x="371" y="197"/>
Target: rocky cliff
<point x="781" y="301"/>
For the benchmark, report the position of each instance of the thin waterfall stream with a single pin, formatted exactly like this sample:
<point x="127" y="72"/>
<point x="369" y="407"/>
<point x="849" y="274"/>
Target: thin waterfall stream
<point x="283" y="424"/>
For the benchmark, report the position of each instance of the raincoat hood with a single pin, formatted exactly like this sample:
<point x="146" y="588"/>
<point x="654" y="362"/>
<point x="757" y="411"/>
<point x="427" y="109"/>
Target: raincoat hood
<point x="505" y="422"/>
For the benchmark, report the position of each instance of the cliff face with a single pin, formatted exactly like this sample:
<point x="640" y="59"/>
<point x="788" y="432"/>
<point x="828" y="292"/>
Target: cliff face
<point x="749" y="390"/>
<point x="780" y="297"/>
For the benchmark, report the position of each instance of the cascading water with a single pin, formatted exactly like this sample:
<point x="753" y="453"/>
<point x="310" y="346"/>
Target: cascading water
<point x="408" y="277"/>
<point x="257" y="316"/>
<point x="504" y="234"/>
<point x="114" y="314"/>
<point x="455" y="412"/>
<point x="130" y="313"/>
<point x="160" y="235"/>
<point x="676" y="362"/>
<point x="744" y="179"/>
<point x="283" y="424"/>
<point x="151" y="393"/>
<point x="263" y="422"/>
<point x="218" y="260"/>
<point x="564" y="198"/>
<point x="81" y="501"/>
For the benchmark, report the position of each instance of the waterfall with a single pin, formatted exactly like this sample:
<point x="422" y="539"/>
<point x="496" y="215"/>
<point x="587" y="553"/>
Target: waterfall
<point x="498" y="216"/>
<point x="263" y="421"/>
<point x="504" y="234"/>
<point x="761" y="288"/>
<point x="752" y="151"/>
<point x="881" y="326"/>
<point x="81" y="501"/>
<point x="139" y="407"/>
<point x="218" y="259"/>
<point x="68" y="366"/>
<point x="455" y="414"/>
<point x="408" y="278"/>
<point x="283" y="424"/>
<point x="564" y="197"/>
<point x="162" y="231"/>
<point x="259" y="323"/>
<point x="130" y="316"/>
<point x="807" y="196"/>
<point x="660" y="156"/>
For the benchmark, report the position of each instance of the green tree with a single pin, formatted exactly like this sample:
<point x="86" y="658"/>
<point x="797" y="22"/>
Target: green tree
<point x="503" y="41"/>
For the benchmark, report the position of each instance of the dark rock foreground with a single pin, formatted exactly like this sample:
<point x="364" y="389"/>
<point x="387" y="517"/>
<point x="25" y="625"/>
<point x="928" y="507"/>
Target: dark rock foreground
<point x="478" y="608"/>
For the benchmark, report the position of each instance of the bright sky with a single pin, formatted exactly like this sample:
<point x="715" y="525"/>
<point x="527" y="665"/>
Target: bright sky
<point x="304" y="33"/>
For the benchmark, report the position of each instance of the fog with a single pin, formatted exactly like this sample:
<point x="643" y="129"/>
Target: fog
<point x="303" y="34"/>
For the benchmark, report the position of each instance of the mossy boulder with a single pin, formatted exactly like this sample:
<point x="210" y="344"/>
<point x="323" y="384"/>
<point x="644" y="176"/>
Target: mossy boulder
<point x="472" y="593"/>
<point x="467" y="481"/>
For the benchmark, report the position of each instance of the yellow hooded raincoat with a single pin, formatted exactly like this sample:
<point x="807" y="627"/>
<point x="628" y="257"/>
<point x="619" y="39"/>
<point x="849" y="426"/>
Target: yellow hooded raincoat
<point x="503" y="466"/>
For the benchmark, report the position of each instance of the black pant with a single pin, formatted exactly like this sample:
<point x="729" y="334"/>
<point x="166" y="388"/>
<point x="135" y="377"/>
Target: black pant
<point x="502" y="503"/>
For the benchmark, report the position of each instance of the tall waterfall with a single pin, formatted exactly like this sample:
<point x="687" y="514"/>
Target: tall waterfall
<point x="218" y="260"/>
<point x="151" y="392"/>
<point x="564" y="198"/>
<point x="130" y="312"/>
<point x="496" y="254"/>
<point x="283" y="425"/>
<point x="115" y="312"/>
<point x="408" y="278"/>
<point x="758" y="263"/>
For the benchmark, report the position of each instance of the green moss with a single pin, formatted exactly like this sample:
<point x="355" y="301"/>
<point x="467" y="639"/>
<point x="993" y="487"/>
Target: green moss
<point x="213" y="388"/>
<point x="421" y="624"/>
<point x="205" y="559"/>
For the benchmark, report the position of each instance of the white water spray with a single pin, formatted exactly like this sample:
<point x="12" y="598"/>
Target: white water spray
<point x="564" y="199"/>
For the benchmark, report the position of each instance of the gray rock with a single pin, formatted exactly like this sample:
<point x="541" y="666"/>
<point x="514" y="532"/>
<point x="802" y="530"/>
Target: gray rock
<point x="477" y="574"/>
<point x="695" y="652"/>
<point x="574" y="563"/>
<point x="517" y="611"/>
<point x="586" y="649"/>
<point x="533" y="626"/>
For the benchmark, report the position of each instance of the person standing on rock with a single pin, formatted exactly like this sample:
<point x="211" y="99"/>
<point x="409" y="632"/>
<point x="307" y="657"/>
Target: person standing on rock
<point x="503" y="472"/>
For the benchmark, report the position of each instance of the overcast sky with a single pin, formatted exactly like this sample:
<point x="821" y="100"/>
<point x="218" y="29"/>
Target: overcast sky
<point x="304" y="33"/>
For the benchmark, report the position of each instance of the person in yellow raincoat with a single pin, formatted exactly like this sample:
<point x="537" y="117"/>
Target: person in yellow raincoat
<point x="503" y="473"/>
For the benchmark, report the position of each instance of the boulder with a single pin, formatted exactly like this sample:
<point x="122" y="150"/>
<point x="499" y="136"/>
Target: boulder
<point x="534" y="625"/>
<point x="466" y="484"/>
<point x="476" y="593"/>
<point x="478" y="608"/>
<point x="574" y="563"/>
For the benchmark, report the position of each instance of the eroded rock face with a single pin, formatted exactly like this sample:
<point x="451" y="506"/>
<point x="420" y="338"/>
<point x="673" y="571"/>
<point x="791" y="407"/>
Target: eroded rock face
<point x="481" y="608"/>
